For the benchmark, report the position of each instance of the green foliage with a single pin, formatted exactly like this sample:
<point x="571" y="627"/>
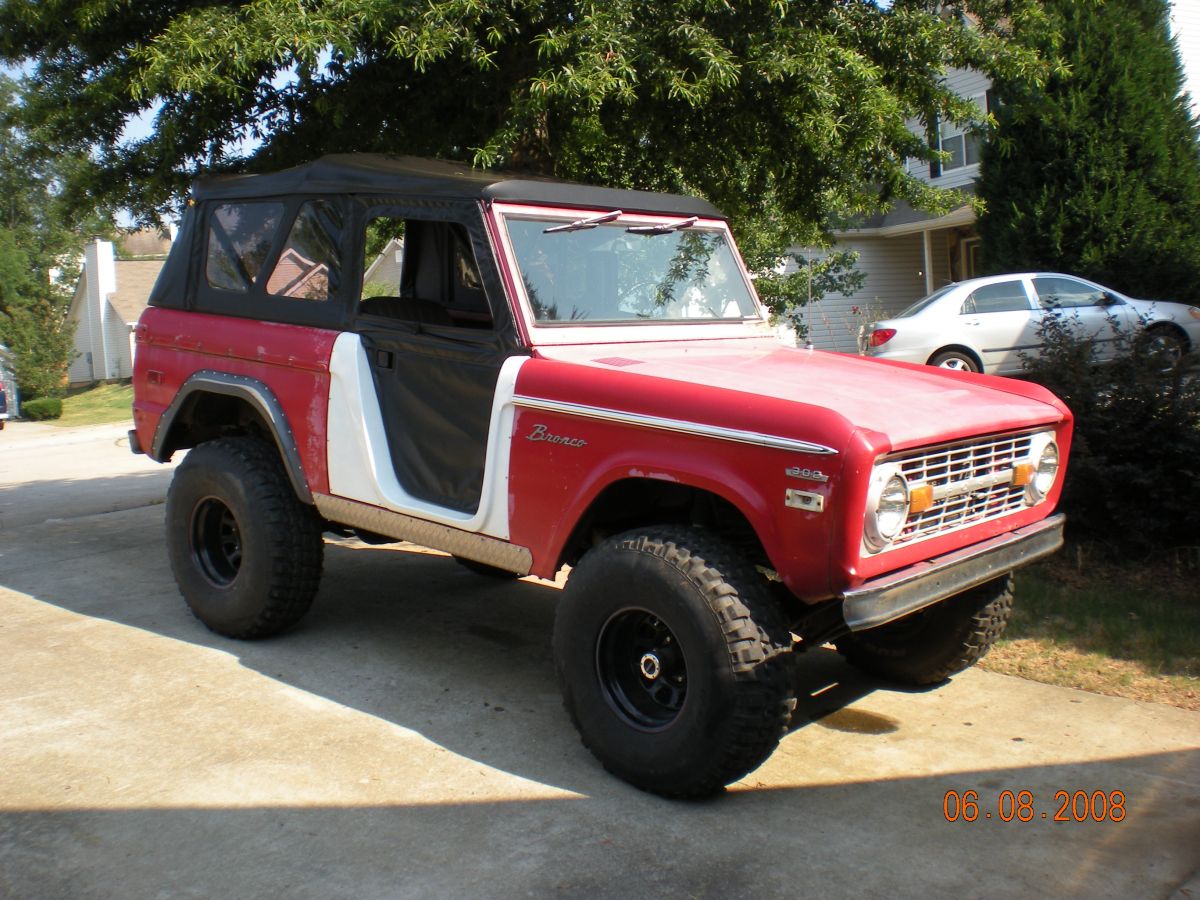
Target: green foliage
<point x="780" y="111"/>
<point x="40" y="234"/>
<point x="817" y="274"/>
<point x="1097" y="172"/>
<point x="1133" y="479"/>
<point x="42" y="408"/>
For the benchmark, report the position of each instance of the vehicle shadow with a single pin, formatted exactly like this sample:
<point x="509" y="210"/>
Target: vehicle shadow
<point x="413" y="640"/>
<point x="398" y="632"/>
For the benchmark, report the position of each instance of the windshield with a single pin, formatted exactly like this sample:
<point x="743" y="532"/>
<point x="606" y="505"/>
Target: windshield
<point x="926" y="301"/>
<point x="596" y="271"/>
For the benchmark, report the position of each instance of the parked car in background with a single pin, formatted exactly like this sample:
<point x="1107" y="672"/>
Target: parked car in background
<point x="988" y="324"/>
<point x="3" y="406"/>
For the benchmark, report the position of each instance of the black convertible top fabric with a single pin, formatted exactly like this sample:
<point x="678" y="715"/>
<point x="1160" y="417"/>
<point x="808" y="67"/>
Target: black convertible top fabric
<point x="373" y="173"/>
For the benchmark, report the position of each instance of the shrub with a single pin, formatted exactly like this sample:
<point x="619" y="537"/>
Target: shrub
<point x="1133" y="479"/>
<point x="42" y="408"/>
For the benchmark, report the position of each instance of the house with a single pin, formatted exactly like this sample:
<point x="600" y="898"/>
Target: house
<point x="109" y="298"/>
<point x="384" y="271"/>
<point x="904" y="253"/>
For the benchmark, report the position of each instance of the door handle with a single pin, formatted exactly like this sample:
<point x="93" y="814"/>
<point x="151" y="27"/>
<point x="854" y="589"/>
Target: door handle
<point x="385" y="359"/>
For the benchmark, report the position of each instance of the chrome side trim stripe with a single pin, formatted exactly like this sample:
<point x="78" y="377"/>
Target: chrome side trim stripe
<point x="676" y="425"/>
<point x="478" y="547"/>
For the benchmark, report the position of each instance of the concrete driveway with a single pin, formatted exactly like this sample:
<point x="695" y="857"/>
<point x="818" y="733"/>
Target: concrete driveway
<point x="408" y="740"/>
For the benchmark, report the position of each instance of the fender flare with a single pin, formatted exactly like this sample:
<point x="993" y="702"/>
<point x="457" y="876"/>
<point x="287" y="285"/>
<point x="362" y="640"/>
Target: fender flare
<point x="259" y="396"/>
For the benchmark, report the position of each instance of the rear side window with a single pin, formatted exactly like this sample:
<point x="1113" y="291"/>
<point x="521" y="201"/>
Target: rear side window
<point x="1008" y="296"/>
<point x="240" y="236"/>
<point x="309" y="265"/>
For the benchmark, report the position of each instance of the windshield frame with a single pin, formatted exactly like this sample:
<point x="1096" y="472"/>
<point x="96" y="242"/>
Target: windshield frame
<point x="618" y="331"/>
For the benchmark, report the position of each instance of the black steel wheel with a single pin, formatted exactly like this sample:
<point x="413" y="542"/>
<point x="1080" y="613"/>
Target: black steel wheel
<point x="641" y="669"/>
<point x="216" y="542"/>
<point x="245" y="551"/>
<point x="674" y="661"/>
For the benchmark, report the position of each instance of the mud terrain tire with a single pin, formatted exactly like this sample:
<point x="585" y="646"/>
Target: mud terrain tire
<point x="674" y="662"/>
<point x="245" y="551"/>
<point x="931" y="645"/>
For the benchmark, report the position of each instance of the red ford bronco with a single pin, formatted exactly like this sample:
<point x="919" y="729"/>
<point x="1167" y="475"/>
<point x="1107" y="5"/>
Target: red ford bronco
<point x="530" y="375"/>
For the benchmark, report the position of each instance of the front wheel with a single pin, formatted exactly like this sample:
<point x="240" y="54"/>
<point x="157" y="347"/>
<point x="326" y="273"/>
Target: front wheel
<point x="673" y="660"/>
<point x="931" y="645"/>
<point x="245" y="551"/>
<point x="1166" y="345"/>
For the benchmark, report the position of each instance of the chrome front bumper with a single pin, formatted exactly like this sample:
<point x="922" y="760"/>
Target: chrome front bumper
<point x="897" y="594"/>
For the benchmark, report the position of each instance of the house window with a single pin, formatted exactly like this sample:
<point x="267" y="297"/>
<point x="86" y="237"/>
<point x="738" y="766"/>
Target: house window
<point x="962" y="142"/>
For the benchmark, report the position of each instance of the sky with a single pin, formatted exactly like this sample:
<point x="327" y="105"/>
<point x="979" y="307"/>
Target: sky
<point x="1185" y="22"/>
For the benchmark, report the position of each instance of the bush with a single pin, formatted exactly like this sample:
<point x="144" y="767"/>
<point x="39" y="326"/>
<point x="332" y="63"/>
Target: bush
<point x="1133" y="478"/>
<point x="42" y="408"/>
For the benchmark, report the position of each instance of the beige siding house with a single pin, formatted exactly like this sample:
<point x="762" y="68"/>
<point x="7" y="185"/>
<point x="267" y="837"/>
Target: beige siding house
<point x="906" y="254"/>
<point x="109" y="298"/>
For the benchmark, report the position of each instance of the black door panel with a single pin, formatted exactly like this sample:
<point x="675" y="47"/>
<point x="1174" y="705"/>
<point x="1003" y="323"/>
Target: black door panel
<point x="435" y="389"/>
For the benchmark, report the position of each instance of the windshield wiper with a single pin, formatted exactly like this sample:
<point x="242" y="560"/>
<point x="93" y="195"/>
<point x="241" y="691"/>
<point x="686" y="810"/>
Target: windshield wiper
<point x="589" y="222"/>
<point x="662" y="229"/>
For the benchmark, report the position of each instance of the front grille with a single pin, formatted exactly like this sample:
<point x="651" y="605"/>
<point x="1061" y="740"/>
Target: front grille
<point x="943" y="467"/>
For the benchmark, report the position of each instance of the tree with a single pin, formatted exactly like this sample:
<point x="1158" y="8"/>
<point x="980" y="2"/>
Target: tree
<point x="1097" y="172"/>
<point x="780" y="111"/>
<point x="35" y="244"/>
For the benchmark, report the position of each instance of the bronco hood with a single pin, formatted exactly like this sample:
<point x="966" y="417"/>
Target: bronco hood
<point x="910" y="404"/>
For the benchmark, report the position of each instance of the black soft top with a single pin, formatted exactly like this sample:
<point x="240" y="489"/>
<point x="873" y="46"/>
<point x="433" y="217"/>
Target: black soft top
<point x="379" y="174"/>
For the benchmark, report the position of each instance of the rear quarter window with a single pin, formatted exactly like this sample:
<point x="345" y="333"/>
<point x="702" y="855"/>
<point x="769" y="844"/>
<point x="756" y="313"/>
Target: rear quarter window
<point x="240" y="236"/>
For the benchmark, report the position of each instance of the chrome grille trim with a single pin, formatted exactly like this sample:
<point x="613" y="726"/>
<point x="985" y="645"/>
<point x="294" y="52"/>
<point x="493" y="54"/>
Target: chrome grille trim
<point x="972" y="482"/>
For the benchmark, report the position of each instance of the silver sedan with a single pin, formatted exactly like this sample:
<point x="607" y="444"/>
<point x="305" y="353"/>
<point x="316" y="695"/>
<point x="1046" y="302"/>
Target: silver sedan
<point x="989" y="324"/>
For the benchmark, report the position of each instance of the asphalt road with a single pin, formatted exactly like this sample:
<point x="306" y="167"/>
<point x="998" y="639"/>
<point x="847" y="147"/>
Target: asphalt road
<point x="407" y="740"/>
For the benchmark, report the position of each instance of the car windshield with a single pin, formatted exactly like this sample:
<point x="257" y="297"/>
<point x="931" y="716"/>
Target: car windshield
<point x="926" y="301"/>
<point x="594" y="270"/>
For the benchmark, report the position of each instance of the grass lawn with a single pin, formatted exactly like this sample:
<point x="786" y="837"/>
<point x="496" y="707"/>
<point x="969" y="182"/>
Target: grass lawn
<point x="1129" y="632"/>
<point x="97" y="405"/>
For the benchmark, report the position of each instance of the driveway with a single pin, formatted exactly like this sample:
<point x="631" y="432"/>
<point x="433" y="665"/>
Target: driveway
<point x="408" y="740"/>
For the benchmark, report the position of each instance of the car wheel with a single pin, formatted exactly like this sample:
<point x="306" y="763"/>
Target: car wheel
<point x="1166" y="344"/>
<point x="956" y="360"/>
<point x="674" y="661"/>
<point x="246" y="553"/>
<point x="931" y="645"/>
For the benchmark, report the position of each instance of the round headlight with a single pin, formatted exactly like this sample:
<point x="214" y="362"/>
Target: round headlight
<point x="1046" y="471"/>
<point x="887" y="508"/>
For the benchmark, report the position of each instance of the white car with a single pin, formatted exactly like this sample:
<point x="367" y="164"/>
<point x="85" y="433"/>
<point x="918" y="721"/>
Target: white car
<point x="988" y="324"/>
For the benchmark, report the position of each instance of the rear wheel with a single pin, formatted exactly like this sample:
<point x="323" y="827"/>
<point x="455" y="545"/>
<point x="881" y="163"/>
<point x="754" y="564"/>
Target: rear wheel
<point x="931" y="645"/>
<point x="957" y="360"/>
<point x="673" y="660"/>
<point x="246" y="553"/>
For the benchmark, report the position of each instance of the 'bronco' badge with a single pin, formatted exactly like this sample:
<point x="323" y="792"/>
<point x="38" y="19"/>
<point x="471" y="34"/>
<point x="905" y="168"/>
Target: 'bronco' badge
<point x="541" y="433"/>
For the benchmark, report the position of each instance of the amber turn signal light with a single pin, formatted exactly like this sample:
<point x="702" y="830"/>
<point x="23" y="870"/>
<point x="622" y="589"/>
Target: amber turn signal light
<point x="1023" y="473"/>
<point x="920" y="498"/>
